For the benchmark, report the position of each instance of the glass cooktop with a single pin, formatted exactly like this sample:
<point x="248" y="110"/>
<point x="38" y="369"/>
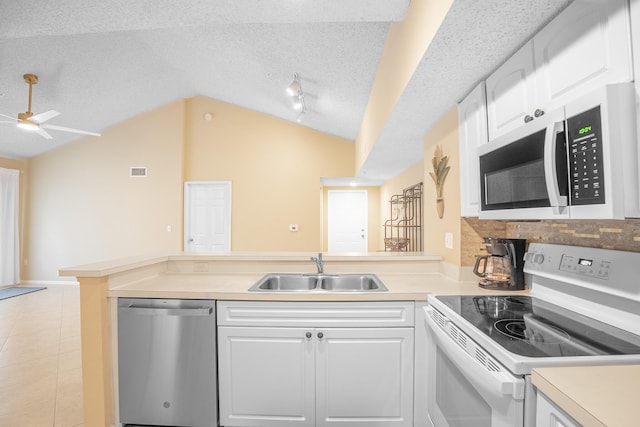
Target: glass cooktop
<point x="531" y="327"/>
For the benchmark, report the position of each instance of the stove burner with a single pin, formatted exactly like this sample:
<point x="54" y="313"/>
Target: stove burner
<point x="513" y="328"/>
<point x="520" y="330"/>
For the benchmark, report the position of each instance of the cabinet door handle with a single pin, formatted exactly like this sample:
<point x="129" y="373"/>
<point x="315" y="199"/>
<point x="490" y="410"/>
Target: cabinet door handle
<point x="320" y="335"/>
<point x="308" y="335"/>
<point x="527" y="118"/>
<point x="538" y="113"/>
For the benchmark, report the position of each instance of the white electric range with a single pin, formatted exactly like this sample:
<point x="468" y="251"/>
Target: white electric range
<point x="583" y="308"/>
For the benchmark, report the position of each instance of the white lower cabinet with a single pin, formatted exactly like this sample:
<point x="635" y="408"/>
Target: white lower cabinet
<point x="549" y="415"/>
<point x="314" y="375"/>
<point x="267" y="377"/>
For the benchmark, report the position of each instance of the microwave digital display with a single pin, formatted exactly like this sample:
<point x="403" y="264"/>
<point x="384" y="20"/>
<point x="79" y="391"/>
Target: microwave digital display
<point x="585" y="158"/>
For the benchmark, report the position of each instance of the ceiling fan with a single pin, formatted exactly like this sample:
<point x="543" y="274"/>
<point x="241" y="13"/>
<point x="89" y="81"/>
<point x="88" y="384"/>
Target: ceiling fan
<point x="36" y="123"/>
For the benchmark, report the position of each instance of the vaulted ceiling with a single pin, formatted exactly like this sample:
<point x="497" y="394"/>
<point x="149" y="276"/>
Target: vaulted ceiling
<point x="100" y="63"/>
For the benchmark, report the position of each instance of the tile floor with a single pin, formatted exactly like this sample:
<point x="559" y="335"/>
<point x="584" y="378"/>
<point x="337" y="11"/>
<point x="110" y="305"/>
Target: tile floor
<point x="40" y="365"/>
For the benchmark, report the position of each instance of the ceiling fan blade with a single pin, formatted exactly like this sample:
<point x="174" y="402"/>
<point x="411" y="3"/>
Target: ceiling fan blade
<point x="84" y="132"/>
<point x="9" y="117"/>
<point x="43" y="133"/>
<point x="43" y="117"/>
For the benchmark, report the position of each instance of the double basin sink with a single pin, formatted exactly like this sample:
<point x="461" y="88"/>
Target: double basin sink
<point x="291" y="282"/>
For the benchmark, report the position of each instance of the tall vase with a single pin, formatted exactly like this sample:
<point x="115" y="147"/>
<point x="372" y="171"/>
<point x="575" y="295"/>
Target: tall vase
<point x="440" y="206"/>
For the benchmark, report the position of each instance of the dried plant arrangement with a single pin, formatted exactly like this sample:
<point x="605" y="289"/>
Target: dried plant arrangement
<point x="439" y="174"/>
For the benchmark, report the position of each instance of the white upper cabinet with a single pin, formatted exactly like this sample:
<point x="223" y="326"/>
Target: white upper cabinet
<point x="472" y="119"/>
<point x="586" y="46"/>
<point x="511" y="93"/>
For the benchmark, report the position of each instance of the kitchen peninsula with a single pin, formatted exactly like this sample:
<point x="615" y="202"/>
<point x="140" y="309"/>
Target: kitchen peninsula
<point x="408" y="277"/>
<point x="228" y="276"/>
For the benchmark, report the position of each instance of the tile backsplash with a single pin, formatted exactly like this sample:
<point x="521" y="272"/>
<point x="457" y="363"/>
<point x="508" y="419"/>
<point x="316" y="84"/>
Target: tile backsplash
<point x="621" y="235"/>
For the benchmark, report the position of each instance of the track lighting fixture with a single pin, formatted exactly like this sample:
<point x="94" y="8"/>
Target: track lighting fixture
<point x="295" y="91"/>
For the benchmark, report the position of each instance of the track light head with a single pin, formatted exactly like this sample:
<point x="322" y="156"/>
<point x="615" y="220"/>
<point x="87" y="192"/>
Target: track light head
<point x="298" y="102"/>
<point x="293" y="88"/>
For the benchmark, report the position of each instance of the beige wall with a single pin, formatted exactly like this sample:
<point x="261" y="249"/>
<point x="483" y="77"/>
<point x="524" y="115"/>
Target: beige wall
<point x="275" y="168"/>
<point x="445" y="134"/>
<point x="373" y="221"/>
<point x="406" y="43"/>
<point x="84" y="207"/>
<point x="409" y="177"/>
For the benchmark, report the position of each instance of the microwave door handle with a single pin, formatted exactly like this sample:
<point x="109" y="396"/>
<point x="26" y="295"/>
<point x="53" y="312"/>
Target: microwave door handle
<point x="550" y="171"/>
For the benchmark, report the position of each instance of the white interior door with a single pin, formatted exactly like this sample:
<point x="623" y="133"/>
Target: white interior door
<point x="207" y="216"/>
<point x="347" y="221"/>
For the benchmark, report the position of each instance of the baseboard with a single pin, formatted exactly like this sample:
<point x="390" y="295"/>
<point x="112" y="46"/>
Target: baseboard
<point x="65" y="282"/>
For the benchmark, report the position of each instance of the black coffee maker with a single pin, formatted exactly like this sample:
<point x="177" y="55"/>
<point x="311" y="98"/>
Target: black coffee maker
<point x="503" y="267"/>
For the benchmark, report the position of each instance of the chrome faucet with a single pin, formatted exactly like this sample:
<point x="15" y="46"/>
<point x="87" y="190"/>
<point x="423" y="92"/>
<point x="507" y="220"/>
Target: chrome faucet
<point x="319" y="262"/>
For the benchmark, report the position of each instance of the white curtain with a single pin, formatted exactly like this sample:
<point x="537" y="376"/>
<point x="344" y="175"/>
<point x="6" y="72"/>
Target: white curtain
<point x="9" y="237"/>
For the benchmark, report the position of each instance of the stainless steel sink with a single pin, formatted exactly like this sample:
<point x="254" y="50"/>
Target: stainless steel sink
<point x="288" y="282"/>
<point x="353" y="283"/>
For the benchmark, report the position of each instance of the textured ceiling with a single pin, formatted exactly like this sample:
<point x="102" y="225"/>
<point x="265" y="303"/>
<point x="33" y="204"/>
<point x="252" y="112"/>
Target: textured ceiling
<point x="100" y="63"/>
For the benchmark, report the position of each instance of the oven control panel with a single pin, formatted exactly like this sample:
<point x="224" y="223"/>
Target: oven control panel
<point x="552" y="258"/>
<point x="586" y="266"/>
<point x="585" y="158"/>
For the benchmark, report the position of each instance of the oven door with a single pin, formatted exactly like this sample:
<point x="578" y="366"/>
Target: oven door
<point x="466" y="391"/>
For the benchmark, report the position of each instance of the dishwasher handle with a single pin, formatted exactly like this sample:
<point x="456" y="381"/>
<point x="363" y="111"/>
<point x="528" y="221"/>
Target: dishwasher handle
<point x="147" y="310"/>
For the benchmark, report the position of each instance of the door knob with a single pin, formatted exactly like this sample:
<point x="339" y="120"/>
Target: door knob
<point x="527" y="118"/>
<point x="308" y="335"/>
<point x="538" y="113"/>
<point x="191" y="240"/>
<point x="320" y="335"/>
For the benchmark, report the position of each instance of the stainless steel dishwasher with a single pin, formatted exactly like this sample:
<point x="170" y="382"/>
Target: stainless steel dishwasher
<point x="167" y="362"/>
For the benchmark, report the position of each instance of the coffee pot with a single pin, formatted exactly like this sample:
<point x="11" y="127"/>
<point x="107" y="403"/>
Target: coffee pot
<point x="503" y="267"/>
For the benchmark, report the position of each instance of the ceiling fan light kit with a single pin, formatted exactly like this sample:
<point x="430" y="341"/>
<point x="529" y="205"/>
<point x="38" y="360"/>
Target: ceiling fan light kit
<point x="36" y="123"/>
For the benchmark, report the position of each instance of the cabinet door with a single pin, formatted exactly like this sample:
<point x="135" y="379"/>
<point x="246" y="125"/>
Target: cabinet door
<point x="511" y="93"/>
<point x="548" y="415"/>
<point x="266" y="377"/>
<point x="364" y="377"/>
<point x="585" y="47"/>
<point x="472" y="133"/>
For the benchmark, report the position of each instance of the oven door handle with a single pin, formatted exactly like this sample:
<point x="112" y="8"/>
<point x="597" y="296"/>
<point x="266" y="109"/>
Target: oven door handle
<point x="550" y="170"/>
<point x="490" y="382"/>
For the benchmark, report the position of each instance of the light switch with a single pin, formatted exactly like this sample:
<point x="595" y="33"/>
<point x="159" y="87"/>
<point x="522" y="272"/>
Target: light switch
<point x="448" y="240"/>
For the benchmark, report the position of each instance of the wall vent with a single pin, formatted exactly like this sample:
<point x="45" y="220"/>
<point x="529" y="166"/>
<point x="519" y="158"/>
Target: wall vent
<point x="138" y="172"/>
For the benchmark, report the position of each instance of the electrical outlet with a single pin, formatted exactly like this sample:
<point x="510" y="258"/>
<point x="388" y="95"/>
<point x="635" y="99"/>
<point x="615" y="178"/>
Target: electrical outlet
<point x="448" y="240"/>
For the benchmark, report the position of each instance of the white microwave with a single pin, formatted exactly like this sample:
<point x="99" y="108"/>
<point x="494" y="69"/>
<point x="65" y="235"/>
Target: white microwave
<point x="579" y="162"/>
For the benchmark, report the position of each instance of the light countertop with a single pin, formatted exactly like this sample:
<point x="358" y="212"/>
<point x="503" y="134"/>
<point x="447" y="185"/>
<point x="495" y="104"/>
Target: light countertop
<point x="110" y="267"/>
<point x="595" y="396"/>
<point x="235" y="287"/>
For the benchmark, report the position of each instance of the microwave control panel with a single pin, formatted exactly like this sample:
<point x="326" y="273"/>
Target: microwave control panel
<point x="584" y="137"/>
